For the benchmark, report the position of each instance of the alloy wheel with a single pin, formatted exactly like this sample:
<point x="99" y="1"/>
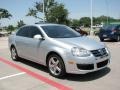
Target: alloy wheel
<point x="54" y="66"/>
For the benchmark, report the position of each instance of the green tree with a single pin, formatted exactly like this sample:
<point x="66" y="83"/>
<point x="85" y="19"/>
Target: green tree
<point x="75" y="23"/>
<point x="58" y="14"/>
<point x="38" y="8"/>
<point x="20" y="23"/>
<point x="105" y="19"/>
<point x="10" y="28"/>
<point x="4" y="13"/>
<point x="85" y="21"/>
<point x="96" y="21"/>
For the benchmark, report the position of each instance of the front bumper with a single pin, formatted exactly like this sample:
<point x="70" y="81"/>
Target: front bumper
<point x="83" y="65"/>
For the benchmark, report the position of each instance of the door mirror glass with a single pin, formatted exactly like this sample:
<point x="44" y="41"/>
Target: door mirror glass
<point x="13" y="33"/>
<point x="37" y="37"/>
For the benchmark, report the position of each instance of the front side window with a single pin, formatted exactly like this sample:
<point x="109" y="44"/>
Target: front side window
<point x="60" y="31"/>
<point x="34" y="31"/>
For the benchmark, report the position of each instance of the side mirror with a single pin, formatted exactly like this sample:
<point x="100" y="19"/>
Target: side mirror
<point x="38" y="37"/>
<point x="13" y="33"/>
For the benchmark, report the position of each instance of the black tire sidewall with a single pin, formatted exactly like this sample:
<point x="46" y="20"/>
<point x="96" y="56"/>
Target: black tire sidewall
<point x="17" y="58"/>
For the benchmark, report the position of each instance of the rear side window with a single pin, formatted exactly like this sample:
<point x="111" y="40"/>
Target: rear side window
<point x="23" y="32"/>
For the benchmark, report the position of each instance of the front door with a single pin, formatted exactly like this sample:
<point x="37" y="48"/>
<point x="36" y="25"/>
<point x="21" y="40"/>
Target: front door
<point x="34" y="45"/>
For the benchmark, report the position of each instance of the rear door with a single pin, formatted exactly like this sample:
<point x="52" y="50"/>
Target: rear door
<point x="21" y="40"/>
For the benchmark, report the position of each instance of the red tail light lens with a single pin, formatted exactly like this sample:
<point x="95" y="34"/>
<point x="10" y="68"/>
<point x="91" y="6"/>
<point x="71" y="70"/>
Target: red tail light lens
<point x="113" y="31"/>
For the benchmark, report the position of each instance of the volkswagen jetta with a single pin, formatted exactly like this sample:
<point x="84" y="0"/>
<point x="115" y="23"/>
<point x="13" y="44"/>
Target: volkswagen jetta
<point x="60" y="48"/>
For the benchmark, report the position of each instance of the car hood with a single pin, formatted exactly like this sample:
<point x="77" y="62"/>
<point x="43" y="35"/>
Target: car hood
<point x="83" y="42"/>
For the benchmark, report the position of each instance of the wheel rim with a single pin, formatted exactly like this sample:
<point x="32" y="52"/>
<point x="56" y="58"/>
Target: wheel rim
<point x="54" y="66"/>
<point x="13" y="53"/>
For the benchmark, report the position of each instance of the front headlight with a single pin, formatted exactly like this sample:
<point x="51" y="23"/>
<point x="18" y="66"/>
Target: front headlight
<point x="107" y="50"/>
<point x="80" y="52"/>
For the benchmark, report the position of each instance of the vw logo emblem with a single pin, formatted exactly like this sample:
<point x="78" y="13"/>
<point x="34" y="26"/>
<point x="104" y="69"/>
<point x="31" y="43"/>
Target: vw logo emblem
<point x="101" y="52"/>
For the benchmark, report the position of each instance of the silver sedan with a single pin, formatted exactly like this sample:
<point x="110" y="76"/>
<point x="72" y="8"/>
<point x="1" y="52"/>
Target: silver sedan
<point x="60" y="48"/>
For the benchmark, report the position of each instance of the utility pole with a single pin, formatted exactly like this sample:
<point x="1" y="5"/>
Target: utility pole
<point x="43" y="10"/>
<point x="107" y="7"/>
<point x="91" y="11"/>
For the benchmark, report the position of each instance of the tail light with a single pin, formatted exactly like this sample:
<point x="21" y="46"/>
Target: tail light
<point x="113" y="31"/>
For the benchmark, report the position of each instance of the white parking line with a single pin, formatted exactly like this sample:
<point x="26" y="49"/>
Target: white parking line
<point x="12" y="75"/>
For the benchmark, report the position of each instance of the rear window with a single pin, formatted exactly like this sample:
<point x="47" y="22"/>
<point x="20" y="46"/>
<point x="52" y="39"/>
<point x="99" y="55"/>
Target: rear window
<point x="109" y="27"/>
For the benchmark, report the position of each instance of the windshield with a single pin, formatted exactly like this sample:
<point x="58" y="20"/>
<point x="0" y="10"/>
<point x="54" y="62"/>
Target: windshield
<point x="109" y="27"/>
<point x="60" y="31"/>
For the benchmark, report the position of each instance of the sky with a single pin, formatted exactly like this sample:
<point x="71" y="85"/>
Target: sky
<point x="76" y="9"/>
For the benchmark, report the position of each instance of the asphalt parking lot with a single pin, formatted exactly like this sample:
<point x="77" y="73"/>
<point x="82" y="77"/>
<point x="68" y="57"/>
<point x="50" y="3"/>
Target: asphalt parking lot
<point x="25" y="75"/>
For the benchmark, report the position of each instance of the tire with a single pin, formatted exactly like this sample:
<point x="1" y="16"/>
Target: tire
<point x="101" y="39"/>
<point x="56" y="66"/>
<point x="14" y="54"/>
<point x="118" y="38"/>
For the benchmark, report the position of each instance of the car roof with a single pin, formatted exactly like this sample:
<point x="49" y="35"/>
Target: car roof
<point x="46" y="24"/>
<point x="42" y="24"/>
<point x="114" y="25"/>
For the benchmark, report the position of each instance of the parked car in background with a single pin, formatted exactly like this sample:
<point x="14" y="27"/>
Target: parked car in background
<point x="82" y="32"/>
<point x="60" y="48"/>
<point x="1" y="35"/>
<point x="79" y="30"/>
<point x="111" y="31"/>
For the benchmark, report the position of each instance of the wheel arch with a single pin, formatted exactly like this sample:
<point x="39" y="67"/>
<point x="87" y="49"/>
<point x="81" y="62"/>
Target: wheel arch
<point x="53" y="52"/>
<point x="12" y="45"/>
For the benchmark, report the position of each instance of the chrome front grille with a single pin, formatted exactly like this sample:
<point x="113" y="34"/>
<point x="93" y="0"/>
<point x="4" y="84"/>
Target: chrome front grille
<point x="100" y="52"/>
